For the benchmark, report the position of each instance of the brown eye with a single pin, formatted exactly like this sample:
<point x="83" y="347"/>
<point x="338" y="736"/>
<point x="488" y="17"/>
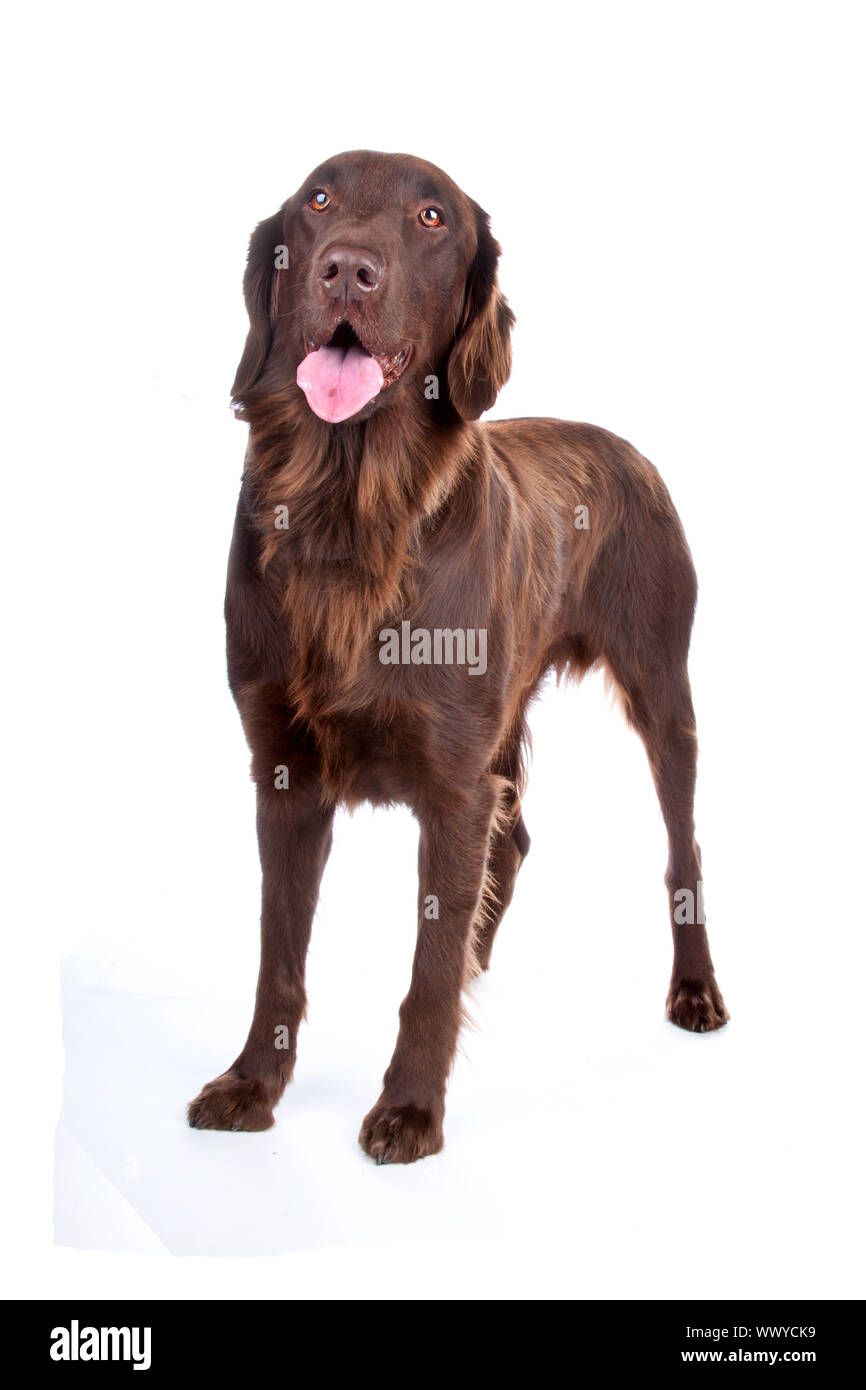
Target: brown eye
<point x="430" y="217"/>
<point x="319" y="200"/>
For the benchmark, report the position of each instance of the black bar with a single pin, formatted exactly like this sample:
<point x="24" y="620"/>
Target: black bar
<point x="248" y="1336"/>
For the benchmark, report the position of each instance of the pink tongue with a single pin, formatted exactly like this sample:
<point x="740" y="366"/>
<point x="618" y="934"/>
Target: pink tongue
<point x="337" y="382"/>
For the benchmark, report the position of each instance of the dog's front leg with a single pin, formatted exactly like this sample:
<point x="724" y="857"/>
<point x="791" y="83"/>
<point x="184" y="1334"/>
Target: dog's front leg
<point x="294" y="839"/>
<point x="406" y="1121"/>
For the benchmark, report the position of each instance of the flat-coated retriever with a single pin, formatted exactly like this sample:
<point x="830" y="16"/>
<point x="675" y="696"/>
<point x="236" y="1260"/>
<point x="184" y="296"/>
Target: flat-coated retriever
<point x="400" y="580"/>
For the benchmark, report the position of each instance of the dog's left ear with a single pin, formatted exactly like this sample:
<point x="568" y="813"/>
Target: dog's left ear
<point x="260" y="283"/>
<point x="480" y="361"/>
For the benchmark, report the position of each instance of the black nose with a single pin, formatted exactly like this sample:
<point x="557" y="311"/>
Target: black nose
<point x="348" y="273"/>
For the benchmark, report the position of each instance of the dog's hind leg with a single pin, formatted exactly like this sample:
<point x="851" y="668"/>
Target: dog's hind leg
<point x="509" y="847"/>
<point x="659" y="705"/>
<point x="645" y="645"/>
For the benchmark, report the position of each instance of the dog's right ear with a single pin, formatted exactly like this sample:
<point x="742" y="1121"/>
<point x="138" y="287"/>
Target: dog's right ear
<point x="260" y="286"/>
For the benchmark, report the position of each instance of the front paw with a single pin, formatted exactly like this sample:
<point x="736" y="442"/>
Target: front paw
<point x="400" y="1133"/>
<point x="232" y="1102"/>
<point x="696" y="1005"/>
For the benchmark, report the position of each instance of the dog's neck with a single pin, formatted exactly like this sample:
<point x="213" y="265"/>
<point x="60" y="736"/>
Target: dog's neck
<point x="353" y="493"/>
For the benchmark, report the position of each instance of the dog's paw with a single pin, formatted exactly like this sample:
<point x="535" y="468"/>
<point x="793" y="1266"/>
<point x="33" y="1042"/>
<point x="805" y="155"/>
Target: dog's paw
<point x="697" y="1005"/>
<point x="400" y="1133"/>
<point x="232" y="1102"/>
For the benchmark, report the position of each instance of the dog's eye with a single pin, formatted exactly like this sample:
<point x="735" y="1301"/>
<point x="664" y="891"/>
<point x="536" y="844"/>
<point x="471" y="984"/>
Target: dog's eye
<point x="319" y="200"/>
<point x="430" y="217"/>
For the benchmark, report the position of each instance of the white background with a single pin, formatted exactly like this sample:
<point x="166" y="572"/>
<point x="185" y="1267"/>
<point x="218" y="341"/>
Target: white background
<point x="678" y="189"/>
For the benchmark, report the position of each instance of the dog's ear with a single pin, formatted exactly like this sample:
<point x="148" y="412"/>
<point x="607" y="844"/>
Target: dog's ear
<point x="480" y="361"/>
<point x="260" y="284"/>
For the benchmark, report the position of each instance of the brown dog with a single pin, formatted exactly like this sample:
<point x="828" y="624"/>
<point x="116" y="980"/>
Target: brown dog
<point x="400" y="580"/>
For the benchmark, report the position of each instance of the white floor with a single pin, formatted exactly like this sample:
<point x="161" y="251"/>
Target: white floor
<point x="655" y="1157"/>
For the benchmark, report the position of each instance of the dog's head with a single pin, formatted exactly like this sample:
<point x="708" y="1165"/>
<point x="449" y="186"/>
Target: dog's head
<point x="376" y="276"/>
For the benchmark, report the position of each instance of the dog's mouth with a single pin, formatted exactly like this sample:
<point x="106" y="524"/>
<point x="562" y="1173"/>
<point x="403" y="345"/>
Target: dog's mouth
<point x="343" y="375"/>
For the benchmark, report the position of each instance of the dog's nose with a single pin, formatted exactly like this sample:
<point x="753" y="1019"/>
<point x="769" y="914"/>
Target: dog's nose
<point x="348" y="273"/>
